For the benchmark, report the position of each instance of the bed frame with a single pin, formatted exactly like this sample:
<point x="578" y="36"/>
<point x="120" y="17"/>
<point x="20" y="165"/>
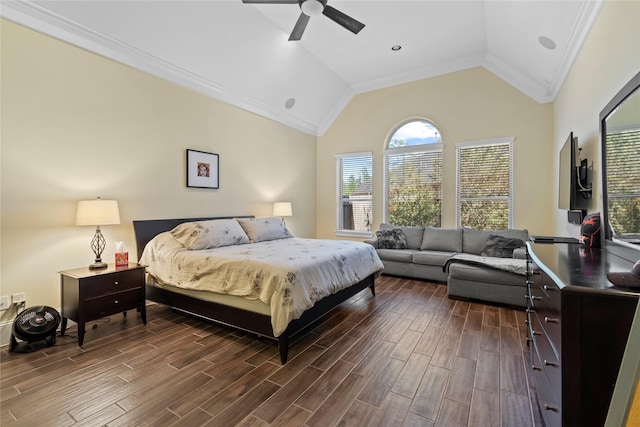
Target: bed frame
<point x="246" y="320"/>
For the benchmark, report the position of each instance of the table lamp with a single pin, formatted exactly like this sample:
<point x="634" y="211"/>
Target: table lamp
<point x="98" y="212"/>
<point x="282" y="209"/>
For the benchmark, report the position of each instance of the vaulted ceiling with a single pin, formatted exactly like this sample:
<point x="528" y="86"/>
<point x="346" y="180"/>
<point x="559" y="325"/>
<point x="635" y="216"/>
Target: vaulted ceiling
<point x="239" y="53"/>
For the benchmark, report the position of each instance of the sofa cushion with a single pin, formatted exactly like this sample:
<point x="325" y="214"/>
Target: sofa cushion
<point x="391" y="239"/>
<point x="474" y="241"/>
<point x="478" y="274"/>
<point x="442" y="239"/>
<point x="501" y="247"/>
<point x="413" y="234"/>
<point x="398" y="255"/>
<point x="437" y="258"/>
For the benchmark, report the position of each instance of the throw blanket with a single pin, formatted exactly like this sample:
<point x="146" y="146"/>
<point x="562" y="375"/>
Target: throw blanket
<point x="512" y="265"/>
<point x="289" y="275"/>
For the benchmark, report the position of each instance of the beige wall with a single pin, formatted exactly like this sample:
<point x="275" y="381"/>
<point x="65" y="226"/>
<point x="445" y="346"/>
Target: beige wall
<point x="468" y="105"/>
<point x="609" y="58"/>
<point x="77" y="126"/>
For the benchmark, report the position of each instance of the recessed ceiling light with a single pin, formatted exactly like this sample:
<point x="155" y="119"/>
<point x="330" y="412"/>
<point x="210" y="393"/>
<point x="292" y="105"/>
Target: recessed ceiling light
<point x="396" y="48"/>
<point x="547" y="42"/>
<point x="290" y="103"/>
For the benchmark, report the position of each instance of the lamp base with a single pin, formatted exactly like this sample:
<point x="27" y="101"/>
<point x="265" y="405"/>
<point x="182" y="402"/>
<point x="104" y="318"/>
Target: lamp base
<point x="98" y="265"/>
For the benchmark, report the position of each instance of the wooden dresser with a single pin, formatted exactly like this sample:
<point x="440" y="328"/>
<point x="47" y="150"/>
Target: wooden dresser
<point x="578" y="328"/>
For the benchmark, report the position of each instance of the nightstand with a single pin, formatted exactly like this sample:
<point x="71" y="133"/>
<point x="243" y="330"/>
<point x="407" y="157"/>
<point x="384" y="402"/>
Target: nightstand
<point x="90" y="294"/>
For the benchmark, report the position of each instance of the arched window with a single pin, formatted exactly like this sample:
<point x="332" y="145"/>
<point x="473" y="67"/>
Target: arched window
<point x="413" y="175"/>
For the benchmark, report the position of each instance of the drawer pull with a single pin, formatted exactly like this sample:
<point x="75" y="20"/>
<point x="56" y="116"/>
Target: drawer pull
<point x="548" y="288"/>
<point x="533" y="298"/>
<point x="115" y="283"/>
<point x="116" y="301"/>
<point x="551" y="408"/>
<point x="535" y="368"/>
<point x="547" y="363"/>
<point x="551" y="320"/>
<point x="536" y="333"/>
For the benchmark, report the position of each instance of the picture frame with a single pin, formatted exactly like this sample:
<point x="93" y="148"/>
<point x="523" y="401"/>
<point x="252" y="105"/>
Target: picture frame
<point x="203" y="169"/>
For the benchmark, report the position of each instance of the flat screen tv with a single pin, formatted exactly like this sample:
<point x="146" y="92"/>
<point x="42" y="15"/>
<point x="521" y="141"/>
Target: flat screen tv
<point x="572" y="192"/>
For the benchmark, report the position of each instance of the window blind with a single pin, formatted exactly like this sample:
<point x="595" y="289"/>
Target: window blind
<point x="484" y="186"/>
<point x="355" y="192"/>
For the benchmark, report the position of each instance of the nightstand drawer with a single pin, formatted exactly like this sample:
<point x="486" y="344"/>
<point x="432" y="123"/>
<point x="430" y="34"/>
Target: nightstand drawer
<point x="113" y="303"/>
<point x="111" y="283"/>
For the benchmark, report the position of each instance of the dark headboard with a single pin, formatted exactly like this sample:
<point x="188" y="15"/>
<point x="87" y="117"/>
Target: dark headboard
<point x="145" y="230"/>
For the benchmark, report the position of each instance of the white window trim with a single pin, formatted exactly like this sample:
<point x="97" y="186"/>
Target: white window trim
<point x="485" y="142"/>
<point x="340" y="232"/>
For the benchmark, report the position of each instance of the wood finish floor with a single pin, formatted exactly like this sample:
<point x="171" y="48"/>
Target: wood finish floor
<point x="407" y="357"/>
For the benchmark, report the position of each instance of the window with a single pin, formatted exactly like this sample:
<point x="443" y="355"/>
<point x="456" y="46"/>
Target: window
<point x="623" y="183"/>
<point x="485" y="184"/>
<point x="413" y="175"/>
<point x="355" y="194"/>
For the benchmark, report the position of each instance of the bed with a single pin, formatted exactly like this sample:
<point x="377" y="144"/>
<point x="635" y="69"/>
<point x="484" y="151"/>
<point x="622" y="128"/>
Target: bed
<point x="238" y="311"/>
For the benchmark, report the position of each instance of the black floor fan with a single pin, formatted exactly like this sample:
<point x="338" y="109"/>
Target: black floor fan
<point x="36" y="327"/>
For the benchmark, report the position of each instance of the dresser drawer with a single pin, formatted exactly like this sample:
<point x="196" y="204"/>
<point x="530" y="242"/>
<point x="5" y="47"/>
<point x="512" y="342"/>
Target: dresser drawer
<point x="113" y="303"/>
<point x="548" y="397"/>
<point x="547" y="355"/>
<point x="106" y="284"/>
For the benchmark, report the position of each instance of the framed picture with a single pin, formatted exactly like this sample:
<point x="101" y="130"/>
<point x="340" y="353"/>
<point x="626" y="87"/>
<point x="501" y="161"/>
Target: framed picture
<point x="203" y="169"/>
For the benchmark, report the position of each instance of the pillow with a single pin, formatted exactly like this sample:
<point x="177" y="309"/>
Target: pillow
<point x="442" y="239"/>
<point x="391" y="239"/>
<point x="501" y="247"/>
<point x="413" y="234"/>
<point x="263" y="229"/>
<point x="214" y="233"/>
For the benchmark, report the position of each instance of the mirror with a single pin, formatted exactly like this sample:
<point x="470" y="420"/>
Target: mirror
<point x="620" y="139"/>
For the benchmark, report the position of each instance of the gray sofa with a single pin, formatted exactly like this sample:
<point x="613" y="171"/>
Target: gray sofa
<point x="472" y="262"/>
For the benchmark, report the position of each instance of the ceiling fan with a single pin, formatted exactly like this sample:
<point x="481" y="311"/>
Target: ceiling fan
<point x="312" y="8"/>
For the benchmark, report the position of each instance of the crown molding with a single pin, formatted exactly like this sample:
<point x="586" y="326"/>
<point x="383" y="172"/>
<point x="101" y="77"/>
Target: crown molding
<point x="43" y="20"/>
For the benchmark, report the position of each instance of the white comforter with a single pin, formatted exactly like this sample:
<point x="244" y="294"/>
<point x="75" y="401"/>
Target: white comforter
<point x="289" y="275"/>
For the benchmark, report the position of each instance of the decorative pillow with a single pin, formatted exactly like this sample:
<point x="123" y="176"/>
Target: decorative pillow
<point x="391" y="239"/>
<point x="215" y="233"/>
<point x="263" y="229"/>
<point x="413" y="234"/>
<point x="501" y="247"/>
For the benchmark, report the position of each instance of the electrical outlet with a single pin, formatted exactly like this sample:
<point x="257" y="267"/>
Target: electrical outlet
<point x="4" y="303"/>
<point x="18" y="298"/>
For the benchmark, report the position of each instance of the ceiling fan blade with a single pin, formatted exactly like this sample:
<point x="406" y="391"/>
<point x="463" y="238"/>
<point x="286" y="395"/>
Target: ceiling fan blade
<point x="271" y="1"/>
<point x="298" y="30"/>
<point x="340" y="18"/>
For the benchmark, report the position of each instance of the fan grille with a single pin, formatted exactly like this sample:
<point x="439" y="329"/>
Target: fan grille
<point x="36" y="321"/>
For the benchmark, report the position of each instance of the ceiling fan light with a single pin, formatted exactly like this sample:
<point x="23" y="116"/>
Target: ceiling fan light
<point x="312" y="7"/>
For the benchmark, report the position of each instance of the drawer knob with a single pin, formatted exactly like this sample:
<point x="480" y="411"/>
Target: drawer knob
<point x="533" y="297"/>
<point x="116" y="301"/>
<point x="115" y="283"/>
<point x="547" y="363"/>
<point x="548" y="288"/>
<point x="551" y="320"/>
<point x="536" y="333"/>
<point x="535" y="368"/>
<point x="551" y="408"/>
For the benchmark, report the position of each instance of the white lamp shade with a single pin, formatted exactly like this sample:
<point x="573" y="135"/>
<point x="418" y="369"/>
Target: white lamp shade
<point x="98" y="212"/>
<point x="282" y="209"/>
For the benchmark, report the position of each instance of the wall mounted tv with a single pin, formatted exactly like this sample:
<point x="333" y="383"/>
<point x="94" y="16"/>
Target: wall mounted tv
<point x="573" y="189"/>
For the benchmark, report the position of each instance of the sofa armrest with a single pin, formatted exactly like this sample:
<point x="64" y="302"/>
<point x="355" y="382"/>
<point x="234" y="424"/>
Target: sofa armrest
<point x="520" y="253"/>
<point x="373" y="242"/>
